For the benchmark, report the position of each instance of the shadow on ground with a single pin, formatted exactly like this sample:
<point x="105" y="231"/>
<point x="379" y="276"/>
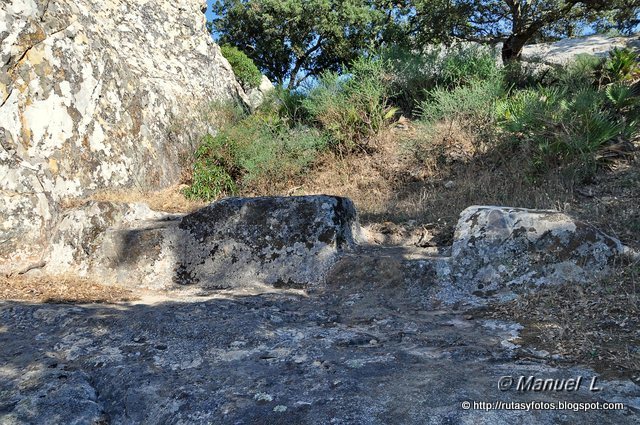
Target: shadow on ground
<point x="348" y="354"/>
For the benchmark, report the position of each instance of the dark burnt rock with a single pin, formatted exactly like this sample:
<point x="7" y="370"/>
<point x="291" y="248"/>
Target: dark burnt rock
<point x="280" y="241"/>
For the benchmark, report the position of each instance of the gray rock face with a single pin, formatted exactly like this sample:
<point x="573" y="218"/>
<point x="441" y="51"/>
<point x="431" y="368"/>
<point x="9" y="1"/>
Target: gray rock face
<point x="233" y="243"/>
<point x="88" y="92"/>
<point x="285" y="242"/>
<point x="498" y="247"/>
<point x="358" y="354"/>
<point x="294" y="242"/>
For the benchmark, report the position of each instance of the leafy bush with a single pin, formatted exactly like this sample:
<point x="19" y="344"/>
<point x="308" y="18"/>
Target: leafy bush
<point x="213" y="170"/>
<point x="414" y="74"/>
<point x="411" y="75"/>
<point x="560" y="124"/>
<point x="243" y="67"/>
<point x="288" y="104"/>
<point x="258" y="148"/>
<point x="622" y="66"/>
<point x="351" y="108"/>
<point x="583" y="71"/>
<point x="464" y="64"/>
<point x="472" y="105"/>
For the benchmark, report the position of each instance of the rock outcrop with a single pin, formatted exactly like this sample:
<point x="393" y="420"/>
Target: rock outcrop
<point x="563" y="51"/>
<point x="497" y="249"/>
<point x="88" y="93"/>
<point x="231" y="244"/>
<point x="257" y="95"/>
<point x="294" y="242"/>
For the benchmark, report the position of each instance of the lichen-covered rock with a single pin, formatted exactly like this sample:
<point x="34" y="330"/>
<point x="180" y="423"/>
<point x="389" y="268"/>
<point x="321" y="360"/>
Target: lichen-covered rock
<point x="88" y="92"/>
<point x="287" y="242"/>
<point x="498" y="247"/>
<point x="233" y="243"/>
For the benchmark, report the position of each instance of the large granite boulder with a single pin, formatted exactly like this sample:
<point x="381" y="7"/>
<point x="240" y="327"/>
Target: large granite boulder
<point x="498" y="248"/>
<point x="89" y="91"/>
<point x="234" y="243"/>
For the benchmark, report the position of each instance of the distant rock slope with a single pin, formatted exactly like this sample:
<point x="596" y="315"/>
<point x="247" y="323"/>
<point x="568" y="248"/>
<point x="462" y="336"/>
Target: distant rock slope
<point x="563" y="51"/>
<point x="88" y="91"/>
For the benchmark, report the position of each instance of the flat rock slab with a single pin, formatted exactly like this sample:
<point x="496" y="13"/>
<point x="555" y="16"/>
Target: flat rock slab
<point x="353" y="354"/>
<point x="236" y="242"/>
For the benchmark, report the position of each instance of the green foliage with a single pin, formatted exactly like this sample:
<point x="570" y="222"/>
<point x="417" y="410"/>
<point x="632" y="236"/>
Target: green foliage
<point x="464" y="86"/>
<point x="472" y="104"/>
<point x="291" y="40"/>
<point x="243" y="67"/>
<point x="583" y="71"/>
<point x="264" y="146"/>
<point x="560" y="124"/>
<point x="569" y="119"/>
<point x="213" y="170"/>
<point x="622" y="66"/>
<point x="464" y="64"/>
<point x="352" y="108"/>
<point x="411" y="75"/>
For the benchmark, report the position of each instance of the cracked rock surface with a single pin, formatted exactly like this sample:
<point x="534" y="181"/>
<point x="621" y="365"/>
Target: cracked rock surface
<point x="92" y="96"/>
<point x="360" y="353"/>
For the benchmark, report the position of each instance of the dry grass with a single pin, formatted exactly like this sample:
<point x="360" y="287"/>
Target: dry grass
<point x="60" y="289"/>
<point x="420" y="178"/>
<point x="597" y="324"/>
<point x="170" y="200"/>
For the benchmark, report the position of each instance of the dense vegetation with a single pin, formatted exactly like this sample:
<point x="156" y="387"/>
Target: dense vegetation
<point x="243" y="67"/>
<point x="552" y="116"/>
<point x="292" y="41"/>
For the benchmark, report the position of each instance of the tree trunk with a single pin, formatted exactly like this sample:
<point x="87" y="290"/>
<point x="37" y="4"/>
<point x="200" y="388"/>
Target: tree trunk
<point x="512" y="47"/>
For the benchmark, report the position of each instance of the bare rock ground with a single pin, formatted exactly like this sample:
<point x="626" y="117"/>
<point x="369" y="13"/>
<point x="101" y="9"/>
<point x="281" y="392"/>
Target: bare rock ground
<point x="352" y="353"/>
<point x="376" y="343"/>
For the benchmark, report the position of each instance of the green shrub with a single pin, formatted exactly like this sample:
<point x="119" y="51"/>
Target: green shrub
<point x="352" y="108"/>
<point x="243" y="67"/>
<point x="213" y="170"/>
<point x="464" y="64"/>
<point x="259" y="148"/>
<point x="583" y="71"/>
<point x="411" y="75"/>
<point x="472" y="105"/>
<point x="288" y="104"/>
<point x="560" y="125"/>
<point x="622" y="65"/>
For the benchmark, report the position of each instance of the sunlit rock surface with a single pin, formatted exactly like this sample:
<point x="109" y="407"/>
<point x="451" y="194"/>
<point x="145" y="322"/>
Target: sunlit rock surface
<point x="500" y="249"/>
<point x="88" y="94"/>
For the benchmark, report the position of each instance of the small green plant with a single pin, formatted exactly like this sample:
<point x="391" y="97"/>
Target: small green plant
<point x="472" y="105"/>
<point x="583" y="71"/>
<point x="560" y="124"/>
<point x="243" y="67"/>
<point x="261" y="148"/>
<point x="465" y="64"/>
<point x="213" y="170"/>
<point x="352" y="108"/>
<point x="622" y="65"/>
<point x="412" y="74"/>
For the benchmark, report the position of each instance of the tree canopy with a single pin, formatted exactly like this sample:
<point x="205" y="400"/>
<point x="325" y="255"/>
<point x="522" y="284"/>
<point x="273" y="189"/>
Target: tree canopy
<point x="291" y="40"/>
